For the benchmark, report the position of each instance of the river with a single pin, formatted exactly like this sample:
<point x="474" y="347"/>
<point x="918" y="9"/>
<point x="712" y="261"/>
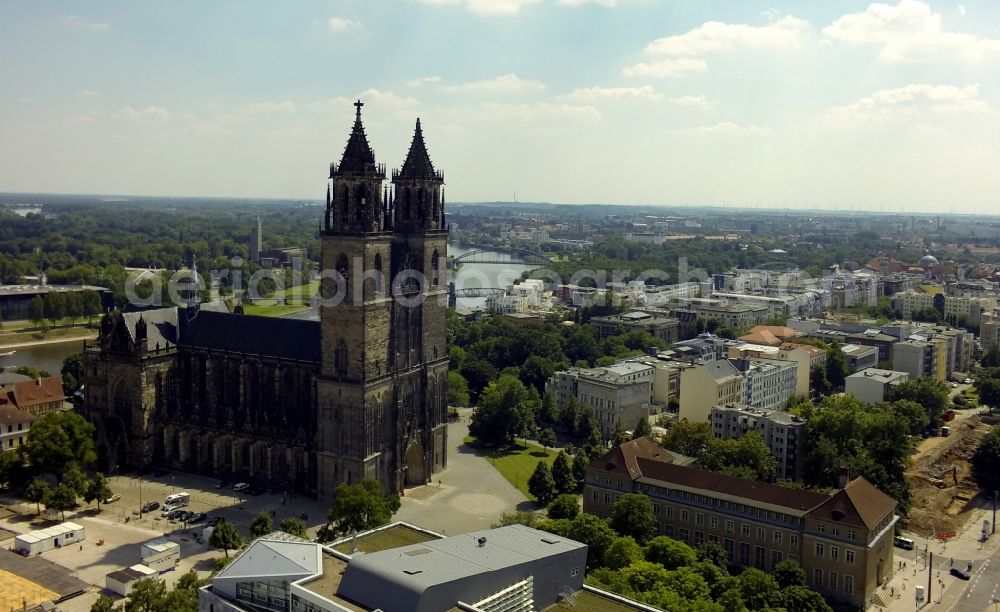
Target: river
<point x="467" y="276"/>
<point x="46" y="357"/>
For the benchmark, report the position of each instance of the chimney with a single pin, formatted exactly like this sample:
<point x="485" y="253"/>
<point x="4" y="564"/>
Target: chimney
<point x="844" y="476"/>
<point x="482" y="542"/>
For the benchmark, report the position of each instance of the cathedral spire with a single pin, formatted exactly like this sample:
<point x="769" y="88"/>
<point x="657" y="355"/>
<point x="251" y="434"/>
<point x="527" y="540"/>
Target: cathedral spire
<point x="418" y="163"/>
<point x="358" y="156"/>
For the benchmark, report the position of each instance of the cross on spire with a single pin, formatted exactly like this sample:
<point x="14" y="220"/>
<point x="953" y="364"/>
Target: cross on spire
<point x="358" y="105"/>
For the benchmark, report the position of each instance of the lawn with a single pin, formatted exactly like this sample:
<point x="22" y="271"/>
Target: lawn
<point x="63" y="333"/>
<point x="516" y="462"/>
<point x="392" y="537"/>
<point x="268" y="308"/>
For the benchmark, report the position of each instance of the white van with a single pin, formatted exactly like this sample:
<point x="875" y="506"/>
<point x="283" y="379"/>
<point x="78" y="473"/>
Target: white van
<point x="176" y="500"/>
<point x="904" y="543"/>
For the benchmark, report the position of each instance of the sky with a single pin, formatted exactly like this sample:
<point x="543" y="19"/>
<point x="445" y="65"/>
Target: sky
<point x="848" y="105"/>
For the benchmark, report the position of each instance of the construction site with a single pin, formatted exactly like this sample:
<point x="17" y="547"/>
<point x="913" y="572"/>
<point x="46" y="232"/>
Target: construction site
<point x="943" y="492"/>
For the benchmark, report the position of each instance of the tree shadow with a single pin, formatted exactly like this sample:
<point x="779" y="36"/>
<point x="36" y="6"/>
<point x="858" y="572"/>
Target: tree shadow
<point x="541" y="454"/>
<point x="528" y="506"/>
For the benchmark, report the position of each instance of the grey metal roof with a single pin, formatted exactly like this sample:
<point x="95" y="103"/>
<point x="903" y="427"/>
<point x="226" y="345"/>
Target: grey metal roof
<point x="721" y="369"/>
<point x="409" y="570"/>
<point x="275" y="557"/>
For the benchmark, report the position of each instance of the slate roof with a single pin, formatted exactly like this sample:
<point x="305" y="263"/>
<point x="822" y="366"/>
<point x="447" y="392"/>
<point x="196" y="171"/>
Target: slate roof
<point x="721" y="369"/>
<point x="161" y="325"/>
<point x="418" y="163"/>
<point x="358" y="155"/>
<point x="267" y="336"/>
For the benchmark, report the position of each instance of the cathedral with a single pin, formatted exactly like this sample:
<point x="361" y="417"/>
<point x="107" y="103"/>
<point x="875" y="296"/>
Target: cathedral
<point x="298" y="405"/>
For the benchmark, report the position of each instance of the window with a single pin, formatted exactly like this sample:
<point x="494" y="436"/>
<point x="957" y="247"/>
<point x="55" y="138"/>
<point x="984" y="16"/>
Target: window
<point x="817" y="577"/>
<point x="744" y="553"/>
<point x="849" y="584"/>
<point x="821" y="528"/>
<point x="683" y="534"/>
<point x="656" y="509"/>
<point x="761" y="534"/>
<point x="713" y="538"/>
<point x="699" y="518"/>
<point x="836" y="531"/>
<point x="850" y="534"/>
<point x="776" y="556"/>
<point x="670" y="512"/>
<point x="833" y="578"/>
<point x="713" y="521"/>
<point x="575" y="571"/>
<point x="794" y="558"/>
<point x="820" y="549"/>
<point x="760" y="557"/>
<point x="729" y="526"/>
<point x="607" y="498"/>
<point x="777" y="537"/>
<point x="699" y="537"/>
<point x="684" y="516"/>
<point x="745" y="530"/>
<point x="668" y="530"/>
<point x="793" y="540"/>
<point x="849" y="557"/>
<point x="727" y="544"/>
<point x="835" y="553"/>
<point x="595" y="496"/>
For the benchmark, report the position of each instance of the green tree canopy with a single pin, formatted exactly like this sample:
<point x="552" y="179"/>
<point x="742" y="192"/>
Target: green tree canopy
<point x="562" y="474"/>
<point x="622" y="552"/>
<point x="261" y="525"/>
<point x="929" y="392"/>
<point x="97" y="490"/>
<point x="146" y="595"/>
<point x="225" y="536"/>
<point x="62" y="498"/>
<point x="506" y="410"/>
<point x="670" y="553"/>
<point x="294" y="526"/>
<point x="57" y="441"/>
<point x="541" y="485"/>
<point x="359" y="507"/>
<point x="565" y="506"/>
<point x="458" y="389"/>
<point x="632" y="515"/>
<point x="37" y="491"/>
<point x="986" y="462"/>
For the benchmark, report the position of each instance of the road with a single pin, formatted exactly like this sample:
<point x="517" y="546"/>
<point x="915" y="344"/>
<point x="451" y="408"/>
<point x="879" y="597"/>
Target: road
<point x="981" y="590"/>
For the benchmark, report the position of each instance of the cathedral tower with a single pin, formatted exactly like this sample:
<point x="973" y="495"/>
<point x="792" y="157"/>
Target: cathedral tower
<point x="381" y="395"/>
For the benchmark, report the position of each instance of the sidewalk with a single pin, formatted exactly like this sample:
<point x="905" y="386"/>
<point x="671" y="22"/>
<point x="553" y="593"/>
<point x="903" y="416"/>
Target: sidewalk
<point x="898" y="595"/>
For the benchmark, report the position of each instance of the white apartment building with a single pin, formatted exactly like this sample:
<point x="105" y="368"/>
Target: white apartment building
<point x="872" y="386"/>
<point x="989" y="330"/>
<point x="769" y="382"/>
<point x="619" y="394"/>
<point x="909" y="302"/>
<point x="710" y="384"/>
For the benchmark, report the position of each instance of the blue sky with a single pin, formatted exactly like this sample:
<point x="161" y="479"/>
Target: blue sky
<point x="883" y="106"/>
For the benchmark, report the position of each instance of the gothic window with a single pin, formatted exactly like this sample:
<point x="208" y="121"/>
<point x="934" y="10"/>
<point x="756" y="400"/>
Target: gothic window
<point x="378" y="272"/>
<point x="435" y="272"/>
<point x="344" y="214"/>
<point x="344" y="271"/>
<point x="340" y="357"/>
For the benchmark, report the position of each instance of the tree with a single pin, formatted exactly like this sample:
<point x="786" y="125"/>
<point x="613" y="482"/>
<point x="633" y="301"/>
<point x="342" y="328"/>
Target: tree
<point x="670" y="553"/>
<point x="914" y="414"/>
<point x="72" y="373"/>
<point x="595" y="533"/>
<point x="36" y="311"/>
<point x="986" y="462"/>
<point x="97" y="490"/>
<point x="103" y="604"/>
<point x="565" y="506"/>
<point x="55" y="306"/>
<point x="691" y="439"/>
<point x="788" y="573"/>
<point x="505" y="411"/>
<point x="818" y="380"/>
<point x="541" y="485"/>
<point x="359" y="507"/>
<point x="295" y="527"/>
<point x="711" y="552"/>
<point x="58" y="440"/>
<point x="988" y="389"/>
<point x="75" y="479"/>
<point x="622" y="552"/>
<point x="580" y="462"/>
<point x="632" y="515"/>
<point x="62" y="498"/>
<point x="536" y="371"/>
<point x="930" y="393"/>
<point x="618" y="436"/>
<point x="991" y="359"/>
<point x="478" y="373"/>
<point x="642" y="429"/>
<point x="803" y="599"/>
<point x="836" y="366"/>
<point x="146" y="595"/>
<point x="562" y="474"/>
<point x="37" y="491"/>
<point x="569" y="416"/>
<point x="549" y="412"/>
<point x="184" y="596"/>
<point x="547" y="437"/>
<point x="225" y="536"/>
<point x="261" y="525"/>
<point x="458" y="389"/>
<point x="73" y="305"/>
<point x="760" y="590"/>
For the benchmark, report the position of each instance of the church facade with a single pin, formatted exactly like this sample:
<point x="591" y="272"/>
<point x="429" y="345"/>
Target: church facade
<point x="296" y="404"/>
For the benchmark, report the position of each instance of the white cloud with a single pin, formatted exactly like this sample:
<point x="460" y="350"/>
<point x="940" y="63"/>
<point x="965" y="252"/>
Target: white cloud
<point x="693" y="101"/>
<point x="540" y="111"/>
<point x="716" y="36"/>
<point x="88" y="93"/>
<point x="431" y="80"/>
<point x="82" y="23"/>
<point x="615" y="93"/>
<point x="727" y="128"/>
<point x="389" y="100"/>
<point x="510" y="83"/>
<point x="604" y="3"/>
<point x="912" y="102"/>
<point x="149" y="112"/>
<point x="269" y="106"/>
<point x="666" y="67"/>
<point x="339" y="24"/>
<point x="488" y="7"/>
<point x="909" y="31"/>
<point x="961" y="10"/>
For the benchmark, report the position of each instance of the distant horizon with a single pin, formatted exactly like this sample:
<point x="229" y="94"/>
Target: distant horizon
<point x="125" y="197"/>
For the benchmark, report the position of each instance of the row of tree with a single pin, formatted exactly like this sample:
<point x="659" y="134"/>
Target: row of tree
<point x="58" y="305"/>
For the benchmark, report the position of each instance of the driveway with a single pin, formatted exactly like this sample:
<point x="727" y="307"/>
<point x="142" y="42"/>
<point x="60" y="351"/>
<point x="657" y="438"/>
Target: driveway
<point x="466" y="496"/>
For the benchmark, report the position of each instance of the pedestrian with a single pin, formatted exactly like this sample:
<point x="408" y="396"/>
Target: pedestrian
<point x="951" y="561"/>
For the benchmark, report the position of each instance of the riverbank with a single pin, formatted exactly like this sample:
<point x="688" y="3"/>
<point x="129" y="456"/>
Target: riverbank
<point x="56" y="336"/>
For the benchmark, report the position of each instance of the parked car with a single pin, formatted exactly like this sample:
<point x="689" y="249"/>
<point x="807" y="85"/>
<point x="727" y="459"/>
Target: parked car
<point x="222" y="484"/>
<point x="173" y="515"/>
<point x="256" y="489"/>
<point x="967" y="381"/>
<point x="197" y="518"/>
<point x="958" y="573"/>
<point x="113" y="498"/>
<point x="239" y="487"/>
<point x="150" y="506"/>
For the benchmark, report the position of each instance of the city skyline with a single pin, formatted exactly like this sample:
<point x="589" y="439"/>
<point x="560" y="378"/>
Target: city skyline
<point x="857" y="106"/>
